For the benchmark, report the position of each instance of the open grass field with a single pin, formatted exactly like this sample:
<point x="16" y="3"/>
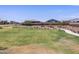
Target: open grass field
<point x="28" y="40"/>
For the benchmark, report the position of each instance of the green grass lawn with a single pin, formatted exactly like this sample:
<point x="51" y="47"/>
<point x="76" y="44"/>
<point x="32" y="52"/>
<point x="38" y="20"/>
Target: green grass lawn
<point x="54" y="39"/>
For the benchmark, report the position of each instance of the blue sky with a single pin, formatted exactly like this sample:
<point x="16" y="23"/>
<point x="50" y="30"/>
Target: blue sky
<point x="38" y="12"/>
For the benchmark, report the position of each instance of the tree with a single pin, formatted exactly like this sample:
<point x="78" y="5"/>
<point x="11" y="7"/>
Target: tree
<point x="29" y="22"/>
<point x="13" y="22"/>
<point x="4" y="22"/>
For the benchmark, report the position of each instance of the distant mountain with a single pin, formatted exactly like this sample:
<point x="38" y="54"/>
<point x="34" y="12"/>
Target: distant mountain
<point x="52" y="20"/>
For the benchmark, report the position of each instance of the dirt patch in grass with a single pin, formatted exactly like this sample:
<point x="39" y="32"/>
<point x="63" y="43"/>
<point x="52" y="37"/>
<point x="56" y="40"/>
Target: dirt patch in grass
<point x="31" y="49"/>
<point x="70" y="44"/>
<point x="75" y="48"/>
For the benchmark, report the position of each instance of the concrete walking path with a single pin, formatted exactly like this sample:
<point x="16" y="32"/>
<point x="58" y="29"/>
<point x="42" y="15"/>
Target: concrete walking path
<point x="69" y="32"/>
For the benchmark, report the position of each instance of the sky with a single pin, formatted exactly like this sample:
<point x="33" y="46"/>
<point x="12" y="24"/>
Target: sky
<point x="38" y="12"/>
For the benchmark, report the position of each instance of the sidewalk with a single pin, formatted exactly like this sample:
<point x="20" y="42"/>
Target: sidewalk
<point x="69" y="32"/>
